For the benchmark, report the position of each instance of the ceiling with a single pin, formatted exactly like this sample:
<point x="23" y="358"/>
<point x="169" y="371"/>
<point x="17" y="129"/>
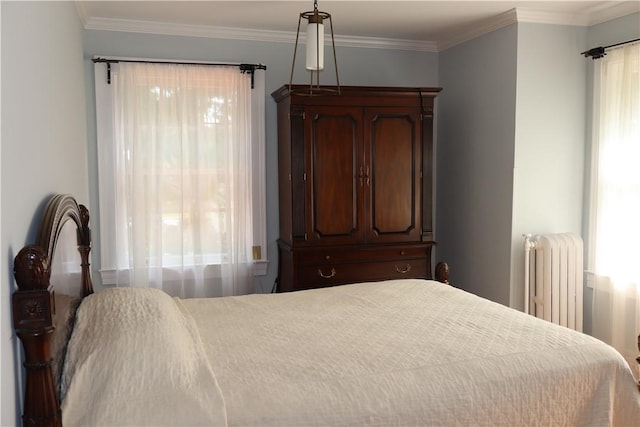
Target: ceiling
<point x="417" y="24"/>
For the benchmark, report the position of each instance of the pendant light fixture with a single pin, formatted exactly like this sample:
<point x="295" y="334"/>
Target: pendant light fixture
<point x="315" y="53"/>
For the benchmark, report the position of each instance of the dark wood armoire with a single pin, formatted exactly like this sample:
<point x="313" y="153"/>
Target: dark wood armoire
<point x="355" y="177"/>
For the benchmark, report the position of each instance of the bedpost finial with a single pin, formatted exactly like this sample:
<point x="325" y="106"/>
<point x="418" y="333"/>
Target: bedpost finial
<point x="84" y="215"/>
<point x="442" y="272"/>
<point x="84" y="232"/>
<point x="31" y="268"/>
<point x="638" y="360"/>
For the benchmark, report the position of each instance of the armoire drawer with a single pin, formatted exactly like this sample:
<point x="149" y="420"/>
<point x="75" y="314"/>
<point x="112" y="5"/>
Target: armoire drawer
<point x="329" y="274"/>
<point x="334" y="255"/>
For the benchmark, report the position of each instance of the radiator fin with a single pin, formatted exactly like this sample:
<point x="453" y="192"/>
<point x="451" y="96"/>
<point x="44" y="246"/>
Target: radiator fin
<point x="555" y="278"/>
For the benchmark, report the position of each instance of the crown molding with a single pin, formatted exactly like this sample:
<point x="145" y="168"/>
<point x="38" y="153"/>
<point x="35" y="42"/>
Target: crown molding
<point x="499" y="21"/>
<point x="603" y="13"/>
<point x="247" y="34"/>
<point x="82" y="12"/>
<point x="537" y="17"/>
<point x="187" y="30"/>
<point x="595" y="15"/>
<point x="592" y="16"/>
<point x="386" y="43"/>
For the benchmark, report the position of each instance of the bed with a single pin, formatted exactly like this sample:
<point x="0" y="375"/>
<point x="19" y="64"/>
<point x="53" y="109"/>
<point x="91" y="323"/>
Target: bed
<point x="402" y="352"/>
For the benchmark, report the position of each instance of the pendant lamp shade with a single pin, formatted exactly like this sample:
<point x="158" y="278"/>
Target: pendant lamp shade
<point x="315" y="46"/>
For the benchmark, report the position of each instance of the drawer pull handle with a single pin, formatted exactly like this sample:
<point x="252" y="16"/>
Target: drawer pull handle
<point x="327" y="276"/>
<point x="406" y="269"/>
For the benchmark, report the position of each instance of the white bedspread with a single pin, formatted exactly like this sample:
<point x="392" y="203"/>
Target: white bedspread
<point x="389" y="353"/>
<point x="406" y="353"/>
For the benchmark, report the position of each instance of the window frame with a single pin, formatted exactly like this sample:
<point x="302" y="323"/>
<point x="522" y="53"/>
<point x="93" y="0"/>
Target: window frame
<point x="106" y="194"/>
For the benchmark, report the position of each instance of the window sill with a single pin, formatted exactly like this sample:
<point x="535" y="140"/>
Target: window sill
<point x="109" y="276"/>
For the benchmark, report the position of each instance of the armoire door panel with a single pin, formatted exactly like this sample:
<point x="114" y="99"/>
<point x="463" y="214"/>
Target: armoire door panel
<point x="335" y="147"/>
<point x="393" y="157"/>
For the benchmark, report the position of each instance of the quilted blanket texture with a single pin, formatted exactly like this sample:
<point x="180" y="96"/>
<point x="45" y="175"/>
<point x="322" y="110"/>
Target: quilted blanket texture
<point x="408" y="352"/>
<point x="136" y="359"/>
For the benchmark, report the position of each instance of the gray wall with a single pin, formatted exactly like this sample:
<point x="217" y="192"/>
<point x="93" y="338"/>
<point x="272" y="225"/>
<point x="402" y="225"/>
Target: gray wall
<point x="44" y="147"/>
<point x="475" y="149"/>
<point x="356" y="66"/>
<point x="549" y="140"/>
<point x="513" y="141"/>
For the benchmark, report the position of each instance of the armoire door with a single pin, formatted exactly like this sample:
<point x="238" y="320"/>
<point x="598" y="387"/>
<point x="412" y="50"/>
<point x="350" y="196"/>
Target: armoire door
<point x="393" y="171"/>
<point x="334" y="147"/>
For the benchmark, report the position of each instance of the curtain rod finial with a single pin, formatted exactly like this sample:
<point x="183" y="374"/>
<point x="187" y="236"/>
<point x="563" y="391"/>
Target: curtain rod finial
<point x="595" y="53"/>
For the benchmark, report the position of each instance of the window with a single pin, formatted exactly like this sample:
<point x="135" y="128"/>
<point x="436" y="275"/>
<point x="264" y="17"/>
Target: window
<point x="181" y="177"/>
<point x="615" y="200"/>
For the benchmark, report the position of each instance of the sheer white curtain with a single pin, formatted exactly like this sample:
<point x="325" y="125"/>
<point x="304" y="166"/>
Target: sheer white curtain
<point x="614" y="254"/>
<point x="182" y="179"/>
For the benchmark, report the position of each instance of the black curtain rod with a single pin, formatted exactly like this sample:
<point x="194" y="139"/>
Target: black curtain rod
<point x="599" y="52"/>
<point x="244" y="68"/>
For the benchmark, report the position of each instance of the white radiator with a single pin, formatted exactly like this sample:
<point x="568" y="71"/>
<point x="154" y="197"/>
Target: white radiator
<point x="553" y="278"/>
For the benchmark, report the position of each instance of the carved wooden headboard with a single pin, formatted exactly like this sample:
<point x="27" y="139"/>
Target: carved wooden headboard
<point x="34" y="304"/>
